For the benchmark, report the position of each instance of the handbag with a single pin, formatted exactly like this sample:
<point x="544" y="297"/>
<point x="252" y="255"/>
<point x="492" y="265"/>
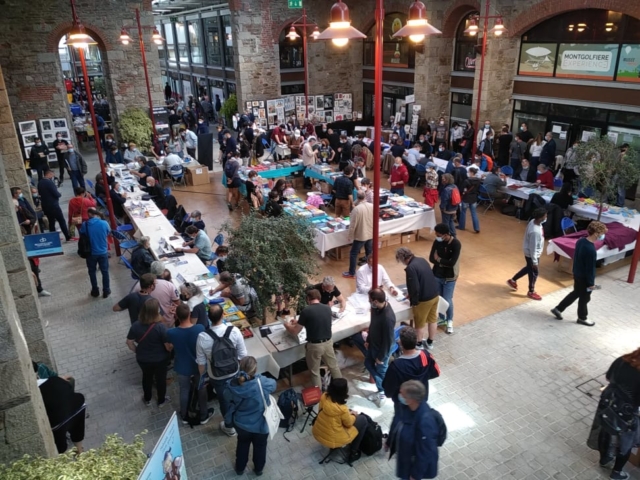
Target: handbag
<point x="463" y="143"/>
<point x="272" y="413"/>
<point x="617" y="415"/>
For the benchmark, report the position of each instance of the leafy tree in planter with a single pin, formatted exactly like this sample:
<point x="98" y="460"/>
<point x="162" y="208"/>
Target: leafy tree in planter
<point x="135" y="126"/>
<point x="277" y="255"/>
<point x="229" y="108"/>
<point x="602" y="167"/>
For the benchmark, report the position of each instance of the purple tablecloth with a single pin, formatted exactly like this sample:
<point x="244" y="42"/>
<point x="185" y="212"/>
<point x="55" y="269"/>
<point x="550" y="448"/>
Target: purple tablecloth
<point x="618" y="235"/>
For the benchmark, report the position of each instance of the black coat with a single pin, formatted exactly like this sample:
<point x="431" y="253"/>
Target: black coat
<point x="49" y="194"/>
<point x="35" y="158"/>
<point x="548" y="154"/>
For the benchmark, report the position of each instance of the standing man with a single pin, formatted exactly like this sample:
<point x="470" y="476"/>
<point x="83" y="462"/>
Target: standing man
<point x="219" y="350"/>
<point x="101" y="126"/>
<point x="517" y="149"/>
<point x="422" y="290"/>
<point x="525" y="134"/>
<point x="441" y="136"/>
<point x="60" y="146"/>
<point x="133" y="302"/>
<point x="165" y="292"/>
<point x="38" y="158"/>
<point x="399" y="177"/>
<point x="218" y="106"/>
<point x="360" y="232"/>
<point x="50" y="201"/>
<point x="532" y="247"/>
<point x="207" y="109"/>
<point x="484" y="133"/>
<point x="167" y="91"/>
<point x="343" y="190"/>
<point x="190" y="140"/>
<point x="97" y="230"/>
<point x="584" y="274"/>
<point x="316" y="318"/>
<point x="230" y="148"/>
<point x="450" y="199"/>
<point x="445" y="257"/>
<point x="76" y="166"/>
<point x="548" y="154"/>
<point x="379" y="341"/>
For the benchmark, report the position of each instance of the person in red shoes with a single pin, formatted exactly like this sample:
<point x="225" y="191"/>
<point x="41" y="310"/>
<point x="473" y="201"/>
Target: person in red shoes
<point x="532" y="247"/>
<point x="430" y="192"/>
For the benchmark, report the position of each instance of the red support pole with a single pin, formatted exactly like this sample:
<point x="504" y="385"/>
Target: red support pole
<point x="306" y="63"/>
<point x="112" y="218"/>
<point x="146" y="76"/>
<point x="634" y="260"/>
<point x="377" y="137"/>
<point x="485" y="32"/>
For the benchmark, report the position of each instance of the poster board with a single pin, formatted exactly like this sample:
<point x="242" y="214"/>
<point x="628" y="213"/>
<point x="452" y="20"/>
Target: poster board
<point x="167" y="458"/>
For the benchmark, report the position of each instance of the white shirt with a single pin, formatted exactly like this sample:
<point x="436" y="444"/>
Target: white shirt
<point x="364" y="275"/>
<point x="171" y="160"/>
<point x="413" y="156"/>
<point x="536" y="150"/>
<point x="205" y="344"/>
<point x="190" y="140"/>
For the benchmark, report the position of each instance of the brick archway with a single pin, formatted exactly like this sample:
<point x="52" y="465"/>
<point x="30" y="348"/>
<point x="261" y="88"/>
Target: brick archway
<point x="96" y="33"/>
<point x="455" y="13"/>
<point x="277" y="30"/>
<point x="550" y="8"/>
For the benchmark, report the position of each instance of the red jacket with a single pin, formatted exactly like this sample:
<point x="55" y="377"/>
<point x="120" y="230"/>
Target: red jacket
<point x="399" y="174"/>
<point x="546" y="179"/>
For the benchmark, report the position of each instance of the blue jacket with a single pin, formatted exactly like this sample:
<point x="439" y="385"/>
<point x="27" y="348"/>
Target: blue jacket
<point x="49" y="194"/>
<point x="98" y="231"/>
<point x="246" y="408"/>
<point x="414" y="437"/>
<point x="445" y="199"/>
<point x="402" y="369"/>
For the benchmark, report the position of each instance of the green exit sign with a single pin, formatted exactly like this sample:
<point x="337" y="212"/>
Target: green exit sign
<point x="295" y="3"/>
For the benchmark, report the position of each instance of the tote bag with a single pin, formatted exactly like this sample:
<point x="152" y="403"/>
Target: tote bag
<point x="272" y="413"/>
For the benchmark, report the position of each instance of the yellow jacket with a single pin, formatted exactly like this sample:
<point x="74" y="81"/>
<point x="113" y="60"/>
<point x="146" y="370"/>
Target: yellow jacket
<point x="334" y="426"/>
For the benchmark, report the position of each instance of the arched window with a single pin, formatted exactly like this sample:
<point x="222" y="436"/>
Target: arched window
<point x="291" y="54"/>
<point x="465" y="52"/>
<point x="397" y="52"/>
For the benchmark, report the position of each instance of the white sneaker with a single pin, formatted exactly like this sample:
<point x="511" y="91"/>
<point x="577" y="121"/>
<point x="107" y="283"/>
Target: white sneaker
<point x="44" y="293"/>
<point x="231" y="432"/>
<point x="449" y="329"/>
<point x="428" y="345"/>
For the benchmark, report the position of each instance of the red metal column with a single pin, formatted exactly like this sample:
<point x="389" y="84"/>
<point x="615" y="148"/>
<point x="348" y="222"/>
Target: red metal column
<point x="146" y="76"/>
<point x="634" y="260"/>
<point x="485" y="32"/>
<point x="112" y="218"/>
<point x="377" y="137"/>
<point x="306" y="63"/>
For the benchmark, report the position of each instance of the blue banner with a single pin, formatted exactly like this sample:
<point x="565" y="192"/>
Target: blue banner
<point x="43" y="244"/>
<point x="167" y="458"/>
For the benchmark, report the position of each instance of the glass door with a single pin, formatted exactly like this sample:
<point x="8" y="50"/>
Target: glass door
<point x="388" y="108"/>
<point x="560" y="133"/>
<point x="584" y="133"/>
<point x="620" y="136"/>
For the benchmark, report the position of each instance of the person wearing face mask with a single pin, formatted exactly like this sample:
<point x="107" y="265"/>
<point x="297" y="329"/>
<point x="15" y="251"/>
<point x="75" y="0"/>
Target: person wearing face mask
<point x="584" y="274"/>
<point x="425" y="146"/>
<point x="456" y="134"/>
<point x="222" y="252"/>
<point x="60" y="146"/>
<point x="445" y="256"/>
<point x="295" y="143"/>
<point x="38" y="158"/>
<point x="532" y="247"/>
<point x="190" y="140"/>
<point x="569" y="173"/>
<point x="443" y="153"/>
<point x="486" y="146"/>
<point x="76" y="166"/>
<point x="114" y="155"/>
<point x="545" y="177"/>
<point x="441" y="136"/>
<point x="50" y="201"/>
<point x="131" y="153"/>
<point x="399" y="177"/>
<point x="199" y="243"/>
<point x="155" y="190"/>
<point x="133" y="302"/>
<point x="525" y="134"/>
<point x="482" y="134"/>
<point x="142" y="256"/>
<point x="343" y="153"/>
<point x="26" y="207"/>
<point x="467" y="139"/>
<point x="203" y="127"/>
<point x="548" y="153"/>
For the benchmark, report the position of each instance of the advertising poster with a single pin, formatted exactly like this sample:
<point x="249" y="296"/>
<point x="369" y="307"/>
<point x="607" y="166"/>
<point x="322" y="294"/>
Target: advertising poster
<point x="167" y="460"/>
<point x="537" y="59"/>
<point x="629" y="66"/>
<point x="591" y="61"/>
<point x="43" y="244"/>
<point x="395" y="51"/>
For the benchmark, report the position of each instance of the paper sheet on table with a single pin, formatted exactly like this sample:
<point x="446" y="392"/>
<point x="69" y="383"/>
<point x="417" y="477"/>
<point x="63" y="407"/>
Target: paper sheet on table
<point x="155" y="213"/>
<point x="283" y="340"/>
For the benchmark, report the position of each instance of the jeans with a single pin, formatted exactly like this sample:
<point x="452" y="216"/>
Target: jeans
<point x="359" y="342"/>
<point x="259" y="441"/>
<point x="355" y="251"/>
<point x="530" y="271"/>
<point x="604" y="443"/>
<point x="184" y="382"/>
<point x="219" y="386"/>
<point x="77" y="180"/>
<point x="397" y="191"/>
<point x="377" y="370"/>
<point x="474" y="216"/>
<point x="101" y="261"/>
<point x="579" y="293"/>
<point x="446" y="288"/>
<point x="55" y="214"/>
<point x="154" y="371"/>
<point x="447" y="219"/>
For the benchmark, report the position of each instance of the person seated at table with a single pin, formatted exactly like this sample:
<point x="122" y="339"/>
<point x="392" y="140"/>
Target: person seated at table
<point x="171" y="160"/>
<point x="195" y="219"/>
<point x="397" y="148"/>
<point x="412" y="156"/>
<point x="142" y="256"/>
<point x="289" y="190"/>
<point x="563" y="198"/>
<point x="329" y="293"/>
<point x="364" y="276"/>
<point x="443" y="153"/>
<point x="255" y="196"/>
<point x="144" y="171"/>
<point x="545" y="177"/>
<point x="493" y="181"/>
<point x="114" y="155"/>
<point x="192" y="295"/>
<point x="99" y="186"/>
<point x="273" y="207"/>
<point x="118" y="199"/>
<point x="131" y="153"/>
<point x="198" y="243"/>
<point x="483" y="162"/>
<point x="155" y="190"/>
<point x="236" y="288"/>
<point x="222" y="252"/>
<point x="525" y="173"/>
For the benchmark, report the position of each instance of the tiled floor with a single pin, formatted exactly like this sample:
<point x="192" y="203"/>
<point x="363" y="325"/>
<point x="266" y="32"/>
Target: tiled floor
<point x="508" y="389"/>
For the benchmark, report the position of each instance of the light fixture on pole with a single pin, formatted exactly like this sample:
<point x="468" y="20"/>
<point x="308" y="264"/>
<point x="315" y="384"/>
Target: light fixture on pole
<point x="316" y="33"/>
<point x="472" y="29"/>
<point x="125" y="39"/>
<point x="78" y="38"/>
<point x="340" y="30"/>
<point x="417" y="27"/>
<point x="498" y="29"/>
<point x="293" y="35"/>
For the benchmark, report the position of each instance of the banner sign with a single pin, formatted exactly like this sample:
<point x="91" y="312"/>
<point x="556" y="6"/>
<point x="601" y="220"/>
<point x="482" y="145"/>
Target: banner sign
<point x="167" y="458"/>
<point x="537" y="59"/>
<point x="589" y="61"/>
<point x="629" y="67"/>
<point x="43" y="244"/>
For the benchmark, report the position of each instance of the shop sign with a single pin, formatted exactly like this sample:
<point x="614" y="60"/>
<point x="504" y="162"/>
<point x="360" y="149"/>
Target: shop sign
<point x="395" y="52"/>
<point x="629" y="66"/>
<point x="537" y="59"/>
<point x="587" y="61"/>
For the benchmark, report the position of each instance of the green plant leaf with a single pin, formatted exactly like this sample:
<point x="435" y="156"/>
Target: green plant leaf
<point x="135" y="126"/>
<point x="229" y="108"/>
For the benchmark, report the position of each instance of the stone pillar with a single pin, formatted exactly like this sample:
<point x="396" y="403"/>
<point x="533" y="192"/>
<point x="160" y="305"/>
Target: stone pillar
<point x="432" y="77"/>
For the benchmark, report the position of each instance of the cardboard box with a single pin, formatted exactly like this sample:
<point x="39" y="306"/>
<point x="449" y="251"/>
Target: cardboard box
<point x="326" y="188"/>
<point x="383" y="241"/>
<point x="197" y="175"/>
<point x="395" y="239"/>
<point x="298" y="183"/>
<point x="408" y="237"/>
<point x="339" y="253"/>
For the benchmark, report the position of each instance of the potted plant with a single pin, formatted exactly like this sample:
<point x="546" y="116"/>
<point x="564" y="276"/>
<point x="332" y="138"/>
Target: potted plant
<point x="134" y="125"/>
<point x="229" y="108"/>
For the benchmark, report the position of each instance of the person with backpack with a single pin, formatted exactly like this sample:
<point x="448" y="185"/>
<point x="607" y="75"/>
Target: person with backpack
<point x="231" y="171"/>
<point x="445" y="258"/>
<point x="336" y="425"/>
<point x="413" y="364"/>
<point x="219" y="350"/>
<point x="97" y="230"/>
<point x="184" y="338"/>
<point x="469" y="192"/>
<point x="249" y="395"/>
<point x="450" y="199"/>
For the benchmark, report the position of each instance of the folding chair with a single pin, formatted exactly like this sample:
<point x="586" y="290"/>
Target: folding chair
<point x="566" y="223"/>
<point x="421" y="171"/>
<point x="507" y="170"/>
<point x="126" y="244"/>
<point x="485" y="196"/>
<point x="557" y="183"/>
<point x="310" y="398"/>
<point x="176" y="173"/>
<point x="127" y="264"/>
<point x="90" y="186"/>
<point x="218" y="240"/>
<point x="270" y="147"/>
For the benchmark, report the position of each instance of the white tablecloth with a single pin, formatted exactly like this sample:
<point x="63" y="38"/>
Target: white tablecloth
<point x="327" y="241"/>
<point x="525" y="190"/>
<point x="591" y="211"/>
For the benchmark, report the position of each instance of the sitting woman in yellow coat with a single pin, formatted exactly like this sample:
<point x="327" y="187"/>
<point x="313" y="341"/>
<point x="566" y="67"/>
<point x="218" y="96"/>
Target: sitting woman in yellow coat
<point x="336" y="425"/>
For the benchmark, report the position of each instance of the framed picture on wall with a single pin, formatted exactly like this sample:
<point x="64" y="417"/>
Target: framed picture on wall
<point x="48" y="139"/>
<point x="328" y="102"/>
<point x="27" y="128"/>
<point x="29" y="140"/>
<point x="52" y="157"/>
<point x="60" y="123"/>
<point x="27" y="152"/>
<point x="46" y="125"/>
<point x="319" y="102"/>
<point x="63" y="133"/>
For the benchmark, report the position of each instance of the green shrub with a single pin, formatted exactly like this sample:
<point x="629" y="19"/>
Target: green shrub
<point x="229" y="108"/>
<point x="135" y="126"/>
<point x="114" y="460"/>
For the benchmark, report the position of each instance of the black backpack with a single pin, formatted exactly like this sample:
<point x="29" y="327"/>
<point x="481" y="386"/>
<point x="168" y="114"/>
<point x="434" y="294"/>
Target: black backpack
<point x="372" y="438"/>
<point x="288" y="403"/>
<point x="224" y="356"/>
<point x="442" y="427"/>
<point x="84" y="244"/>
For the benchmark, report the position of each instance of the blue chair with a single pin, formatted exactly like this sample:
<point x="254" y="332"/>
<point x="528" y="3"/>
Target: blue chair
<point x="176" y="172"/>
<point x="127" y="264"/>
<point x="395" y="348"/>
<point x="101" y="203"/>
<point x="485" y="196"/>
<point x="271" y="147"/>
<point x="89" y="184"/>
<point x="124" y="227"/>
<point x="566" y="223"/>
<point x="167" y="192"/>
<point x="219" y="239"/>
<point x="557" y="182"/>
<point x="421" y="171"/>
<point x="213" y="269"/>
<point x="125" y="244"/>
<point x="507" y="170"/>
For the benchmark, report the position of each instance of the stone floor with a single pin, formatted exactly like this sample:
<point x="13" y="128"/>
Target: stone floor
<point x="509" y="389"/>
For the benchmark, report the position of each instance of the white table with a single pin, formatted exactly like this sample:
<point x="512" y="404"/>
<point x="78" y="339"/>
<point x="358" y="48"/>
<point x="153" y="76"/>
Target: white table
<point x="426" y="219"/>
<point x="526" y="190"/>
<point x="440" y="163"/>
<point x="591" y="211"/>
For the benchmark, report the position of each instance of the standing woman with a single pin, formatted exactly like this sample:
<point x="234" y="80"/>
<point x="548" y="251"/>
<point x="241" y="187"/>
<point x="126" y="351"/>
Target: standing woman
<point x="147" y="338"/>
<point x="467" y="140"/>
<point x="535" y="150"/>
<point x="456" y="136"/>
<point x="249" y="393"/>
<point x="624" y="388"/>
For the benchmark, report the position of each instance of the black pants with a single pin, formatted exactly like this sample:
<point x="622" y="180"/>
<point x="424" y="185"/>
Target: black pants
<point x="259" y="441"/>
<point x="62" y="169"/>
<point x="530" y="271"/>
<point x="40" y="169"/>
<point x="154" y="371"/>
<point x="55" y="214"/>
<point x="361" y="425"/>
<point x="579" y="293"/>
<point x="74" y="425"/>
<point x="604" y="443"/>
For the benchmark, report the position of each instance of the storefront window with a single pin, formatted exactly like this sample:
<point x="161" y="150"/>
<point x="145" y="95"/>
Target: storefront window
<point x="228" y="41"/>
<point x="171" y="48"/>
<point x="292" y="89"/>
<point x="461" y="106"/>
<point x="195" y="40"/>
<point x="161" y="45"/>
<point x="291" y="54"/>
<point x="182" y="43"/>
<point x="397" y="52"/>
<point x="465" y="51"/>
<point x="212" y="29"/>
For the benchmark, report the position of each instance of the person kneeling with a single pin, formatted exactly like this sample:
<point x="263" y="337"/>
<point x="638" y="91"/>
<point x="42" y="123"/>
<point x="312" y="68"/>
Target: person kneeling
<point x="336" y="425"/>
